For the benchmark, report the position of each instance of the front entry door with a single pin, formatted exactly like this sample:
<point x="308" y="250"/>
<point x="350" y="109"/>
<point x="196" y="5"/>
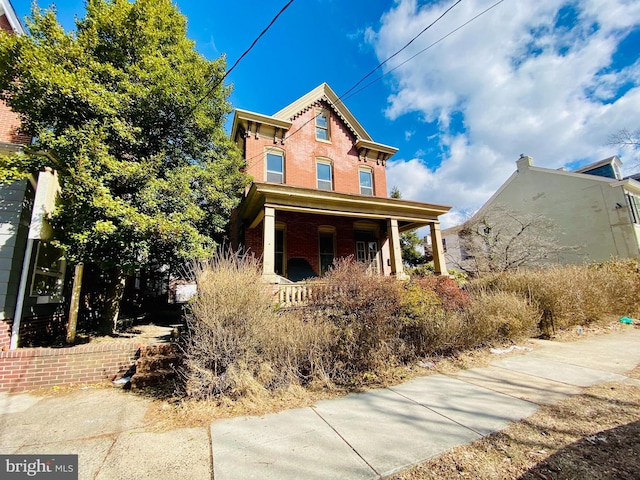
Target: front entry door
<point x="367" y="252"/>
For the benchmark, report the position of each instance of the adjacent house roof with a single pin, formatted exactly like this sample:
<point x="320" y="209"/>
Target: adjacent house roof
<point x="526" y="162"/>
<point x="7" y="9"/>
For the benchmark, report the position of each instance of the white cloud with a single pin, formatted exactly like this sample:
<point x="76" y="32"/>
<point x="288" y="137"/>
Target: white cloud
<point x="521" y="83"/>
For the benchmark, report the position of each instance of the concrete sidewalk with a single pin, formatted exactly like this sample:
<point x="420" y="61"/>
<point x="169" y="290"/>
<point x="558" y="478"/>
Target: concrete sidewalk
<point x="361" y="436"/>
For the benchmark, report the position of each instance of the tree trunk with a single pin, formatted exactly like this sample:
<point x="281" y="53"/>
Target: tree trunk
<point x="111" y="309"/>
<point x="75" y="303"/>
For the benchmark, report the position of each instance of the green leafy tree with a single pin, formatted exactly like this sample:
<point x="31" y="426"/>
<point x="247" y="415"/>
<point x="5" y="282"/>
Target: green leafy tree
<point x="132" y="118"/>
<point x="409" y="242"/>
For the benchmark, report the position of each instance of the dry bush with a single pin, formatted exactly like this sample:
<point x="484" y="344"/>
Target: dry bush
<point x="362" y="308"/>
<point x="452" y="296"/>
<point x="238" y="345"/>
<point x="427" y="327"/>
<point x="498" y="317"/>
<point x="570" y="295"/>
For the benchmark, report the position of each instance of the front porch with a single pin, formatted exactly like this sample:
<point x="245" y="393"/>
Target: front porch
<point x="299" y="232"/>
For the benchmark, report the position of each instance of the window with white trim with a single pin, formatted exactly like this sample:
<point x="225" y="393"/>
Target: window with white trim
<point x="322" y="125"/>
<point x="324" y="175"/>
<point x="275" y="166"/>
<point x="366" y="181"/>
<point x="48" y="273"/>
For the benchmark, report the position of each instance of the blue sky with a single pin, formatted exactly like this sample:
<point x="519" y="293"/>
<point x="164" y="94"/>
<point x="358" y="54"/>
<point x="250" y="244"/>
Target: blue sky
<point x="551" y="79"/>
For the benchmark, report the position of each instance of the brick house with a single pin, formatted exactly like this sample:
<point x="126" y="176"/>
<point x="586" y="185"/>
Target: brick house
<point x="319" y="192"/>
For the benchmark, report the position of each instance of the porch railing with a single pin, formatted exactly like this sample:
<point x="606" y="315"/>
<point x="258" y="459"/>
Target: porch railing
<point x="296" y="294"/>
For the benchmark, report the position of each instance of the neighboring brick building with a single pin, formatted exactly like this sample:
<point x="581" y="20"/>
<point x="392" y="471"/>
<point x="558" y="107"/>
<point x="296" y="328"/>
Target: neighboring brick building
<point x="320" y="192"/>
<point x="31" y="271"/>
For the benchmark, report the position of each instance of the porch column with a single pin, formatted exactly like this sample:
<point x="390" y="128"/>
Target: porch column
<point x="397" y="268"/>
<point x="268" y="249"/>
<point x="439" y="263"/>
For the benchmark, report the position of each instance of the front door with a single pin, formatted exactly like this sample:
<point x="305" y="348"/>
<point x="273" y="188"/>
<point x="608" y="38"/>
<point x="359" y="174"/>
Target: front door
<point x="367" y="250"/>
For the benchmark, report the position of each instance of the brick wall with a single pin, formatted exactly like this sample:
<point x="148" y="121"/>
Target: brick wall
<point x="301" y="236"/>
<point x="302" y="149"/>
<point x="9" y="121"/>
<point x="9" y="124"/>
<point x="33" y="368"/>
<point x="5" y="334"/>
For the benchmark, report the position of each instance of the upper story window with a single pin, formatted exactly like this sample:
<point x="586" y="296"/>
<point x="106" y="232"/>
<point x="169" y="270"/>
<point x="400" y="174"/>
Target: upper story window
<point x="275" y="166"/>
<point x="634" y="206"/>
<point x="324" y="174"/>
<point x="366" y="181"/>
<point x="322" y="125"/>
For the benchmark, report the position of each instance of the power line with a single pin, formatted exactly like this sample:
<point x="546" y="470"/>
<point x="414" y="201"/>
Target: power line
<point x="403" y="48"/>
<point x="226" y="74"/>
<point x="423" y="50"/>
<point x="370" y="73"/>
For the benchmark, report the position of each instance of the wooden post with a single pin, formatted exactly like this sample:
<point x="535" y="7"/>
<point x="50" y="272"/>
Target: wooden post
<point x="75" y="303"/>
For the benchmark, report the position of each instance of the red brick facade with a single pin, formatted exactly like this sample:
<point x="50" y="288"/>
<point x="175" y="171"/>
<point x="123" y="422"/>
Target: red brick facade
<point x="301" y="234"/>
<point x="33" y="368"/>
<point x="301" y="149"/>
<point x="296" y="216"/>
<point x="9" y="125"/>
<point x="9" y="121"/>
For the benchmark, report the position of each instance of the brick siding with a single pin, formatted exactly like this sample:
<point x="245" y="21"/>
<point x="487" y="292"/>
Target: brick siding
<point x="5" y="334"/>
<point x="302" y="149"/>
<point x="34" y="368"/>
<point x="302" y="239"/>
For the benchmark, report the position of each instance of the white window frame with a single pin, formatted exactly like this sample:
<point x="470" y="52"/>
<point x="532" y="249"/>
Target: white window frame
<point x="363" y="189"/>
<point x="323" y="112"/>
<point x="328" y="184"/>
<point x="275" y="152"/>
<point x="48" y="296"/>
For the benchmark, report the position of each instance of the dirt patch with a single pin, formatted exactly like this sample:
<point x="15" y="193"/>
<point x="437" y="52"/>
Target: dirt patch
<point x="594" y="435"/>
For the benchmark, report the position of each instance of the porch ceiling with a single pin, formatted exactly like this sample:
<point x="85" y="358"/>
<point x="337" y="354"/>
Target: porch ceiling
<point x="409" y="214"/>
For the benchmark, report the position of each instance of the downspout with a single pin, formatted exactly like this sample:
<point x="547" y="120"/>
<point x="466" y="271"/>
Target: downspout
<point x="24" y="275"/>
<point x="46" y="188"/>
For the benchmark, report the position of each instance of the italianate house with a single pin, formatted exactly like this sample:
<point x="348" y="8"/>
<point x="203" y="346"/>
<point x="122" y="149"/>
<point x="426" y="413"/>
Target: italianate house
<point x="319" y="192"/>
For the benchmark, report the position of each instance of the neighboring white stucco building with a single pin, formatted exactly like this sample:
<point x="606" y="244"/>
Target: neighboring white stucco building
<point x="595" y="209"/>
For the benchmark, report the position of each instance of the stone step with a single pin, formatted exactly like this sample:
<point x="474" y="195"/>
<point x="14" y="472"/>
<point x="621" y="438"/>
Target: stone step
<point x="151" y="379"/>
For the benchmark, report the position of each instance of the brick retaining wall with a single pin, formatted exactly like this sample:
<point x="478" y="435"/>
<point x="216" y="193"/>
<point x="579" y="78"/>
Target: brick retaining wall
<point x="32" y="368"/>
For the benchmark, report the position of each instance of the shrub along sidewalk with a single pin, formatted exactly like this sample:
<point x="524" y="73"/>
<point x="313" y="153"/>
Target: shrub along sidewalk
<point x="361" y="330"/>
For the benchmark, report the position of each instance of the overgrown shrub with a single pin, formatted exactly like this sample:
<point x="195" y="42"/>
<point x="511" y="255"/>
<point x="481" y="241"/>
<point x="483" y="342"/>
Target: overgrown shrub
<point x="427" y="327"/>
<point x="452" y="296"/>
<point x="570" y="295"/>
<point x="237" y="343"/>
<point x="498" y="317"/>
<point x="362" y="308"/>
<point x="358" y="326"/>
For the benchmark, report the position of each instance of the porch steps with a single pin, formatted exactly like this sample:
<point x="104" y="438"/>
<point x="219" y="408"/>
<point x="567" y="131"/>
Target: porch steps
<point x="157" y="364"/>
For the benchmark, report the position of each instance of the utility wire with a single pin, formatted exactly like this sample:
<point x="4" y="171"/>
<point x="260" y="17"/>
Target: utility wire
<point x="421" y="51"/>
<point x="403" y="48"/>
<point x="370" y="73"/>
<point x="226" y="74"/>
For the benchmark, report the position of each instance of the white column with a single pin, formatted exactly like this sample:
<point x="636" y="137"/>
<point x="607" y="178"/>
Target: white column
<point x="269" y="247"/>
<point x="437" y="249"/>
<point x="397" y="268"/>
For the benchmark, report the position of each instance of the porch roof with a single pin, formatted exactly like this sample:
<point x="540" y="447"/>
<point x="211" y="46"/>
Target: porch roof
<point x="409" y="214"/>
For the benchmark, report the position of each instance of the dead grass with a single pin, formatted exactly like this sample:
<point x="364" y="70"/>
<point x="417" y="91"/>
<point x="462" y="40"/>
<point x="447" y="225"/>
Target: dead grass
<point x="594" y="435"/>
